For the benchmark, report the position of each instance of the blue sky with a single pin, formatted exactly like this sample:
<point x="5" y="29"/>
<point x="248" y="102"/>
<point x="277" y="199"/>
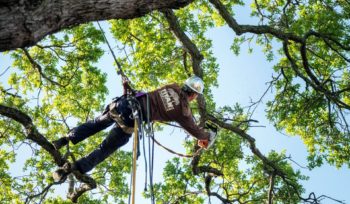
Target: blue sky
<point x="241" y="79"/>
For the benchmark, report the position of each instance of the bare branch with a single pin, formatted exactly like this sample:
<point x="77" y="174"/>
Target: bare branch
<point x="5" y="71"/>
<point x="290" y="159"/>
<point x="263" y="95"/>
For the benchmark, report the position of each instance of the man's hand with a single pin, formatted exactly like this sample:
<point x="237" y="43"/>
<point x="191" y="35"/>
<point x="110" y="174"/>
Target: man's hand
<point x="125" y="80"/>
<point x="206" y="144"/>
<point x="203" y="143"/>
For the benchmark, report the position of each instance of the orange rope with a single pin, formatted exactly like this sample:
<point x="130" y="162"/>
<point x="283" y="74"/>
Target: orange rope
<point x="134" y="163"/>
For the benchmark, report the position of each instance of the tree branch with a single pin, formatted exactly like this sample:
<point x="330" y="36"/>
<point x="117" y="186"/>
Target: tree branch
<point x="272" y="184"/>
<point x="39" y="68"/>
<point x="23" y="24"/>
<point x="31" y="131"/>
<point x="268" y="163"/>
<point x="34" y="135"/>
<point x="196" y="56"/>
<point x="241" y="29"/>
<point x="314" y="85"/>
<point x="285" y="37"/>
<point x="2" y="73"/>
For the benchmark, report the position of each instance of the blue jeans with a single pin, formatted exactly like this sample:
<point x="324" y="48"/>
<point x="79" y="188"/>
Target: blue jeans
<point x="115" y="139"/>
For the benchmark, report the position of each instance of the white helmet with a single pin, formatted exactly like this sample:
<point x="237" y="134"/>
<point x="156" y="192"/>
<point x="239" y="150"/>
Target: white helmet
<point x="195" y="83"/>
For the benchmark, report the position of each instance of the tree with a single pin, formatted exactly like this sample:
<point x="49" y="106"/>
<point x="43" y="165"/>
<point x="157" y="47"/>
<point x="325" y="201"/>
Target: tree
<point x="55" y="82"/>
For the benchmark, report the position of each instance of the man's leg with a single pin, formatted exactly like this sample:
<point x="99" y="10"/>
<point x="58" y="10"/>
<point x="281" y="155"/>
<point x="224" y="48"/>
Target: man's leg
<point x="114" y="140"/>
<point x="85" y="130"/>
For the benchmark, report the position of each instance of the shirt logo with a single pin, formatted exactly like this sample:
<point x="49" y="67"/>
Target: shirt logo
<point x="169" y="98"/>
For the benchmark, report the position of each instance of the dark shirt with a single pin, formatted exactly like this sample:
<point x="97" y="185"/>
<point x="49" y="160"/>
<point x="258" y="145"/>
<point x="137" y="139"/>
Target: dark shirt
<point x="170" y="103"/>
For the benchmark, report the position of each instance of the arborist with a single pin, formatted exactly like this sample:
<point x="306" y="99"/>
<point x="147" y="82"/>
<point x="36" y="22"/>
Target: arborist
<point x="168" y="103"/>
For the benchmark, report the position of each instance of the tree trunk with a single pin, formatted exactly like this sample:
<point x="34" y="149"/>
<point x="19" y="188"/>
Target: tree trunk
<point x="25" y="22"/>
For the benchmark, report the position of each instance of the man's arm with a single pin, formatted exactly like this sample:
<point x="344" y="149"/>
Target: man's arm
<point x="191" y="127"/>
<point x="205" y="139"/>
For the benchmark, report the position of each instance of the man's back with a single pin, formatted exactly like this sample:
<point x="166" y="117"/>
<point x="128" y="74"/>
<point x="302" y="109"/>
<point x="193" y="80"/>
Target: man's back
<point x="170" y="103"/>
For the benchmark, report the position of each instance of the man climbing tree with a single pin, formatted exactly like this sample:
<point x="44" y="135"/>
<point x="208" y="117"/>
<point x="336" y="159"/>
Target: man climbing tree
<point x="53" y="81"/>
<point x="168" y="103"/>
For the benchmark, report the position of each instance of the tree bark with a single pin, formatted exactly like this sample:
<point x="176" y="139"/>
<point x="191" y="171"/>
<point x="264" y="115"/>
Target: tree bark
<point x="24" y="22"/>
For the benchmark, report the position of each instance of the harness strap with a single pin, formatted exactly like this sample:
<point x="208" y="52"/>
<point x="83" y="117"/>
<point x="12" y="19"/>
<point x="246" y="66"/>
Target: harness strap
<point x="117" y="117"/>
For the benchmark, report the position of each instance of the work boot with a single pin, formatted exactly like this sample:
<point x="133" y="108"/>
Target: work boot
<point x="62" y="172"/>
<point x="58" y="144"/>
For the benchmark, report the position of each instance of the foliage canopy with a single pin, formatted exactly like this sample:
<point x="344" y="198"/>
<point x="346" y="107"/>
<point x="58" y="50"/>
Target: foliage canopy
<point x="56" y="83"/>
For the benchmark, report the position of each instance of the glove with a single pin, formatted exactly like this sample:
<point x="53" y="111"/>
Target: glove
<point x="203" y="143"/>
<point x="206" y="144"/>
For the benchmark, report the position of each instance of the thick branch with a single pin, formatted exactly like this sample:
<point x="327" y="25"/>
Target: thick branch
<point x="210" y="170"/>
<point x="196" y="58"/>
<point x="32" y="133"/>
<point x="190" y="47"/>
<point x="88" y="184"/>
<point x="24" y="23"/>
<point x="306" y="65"/>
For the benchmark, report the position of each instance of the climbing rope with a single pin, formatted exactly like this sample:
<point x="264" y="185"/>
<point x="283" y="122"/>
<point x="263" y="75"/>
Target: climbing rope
<point x="120" y="70"/>
<point x="134" y="161"/>
<point x="150" y="133"/>
<point x="126" y="82"/>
